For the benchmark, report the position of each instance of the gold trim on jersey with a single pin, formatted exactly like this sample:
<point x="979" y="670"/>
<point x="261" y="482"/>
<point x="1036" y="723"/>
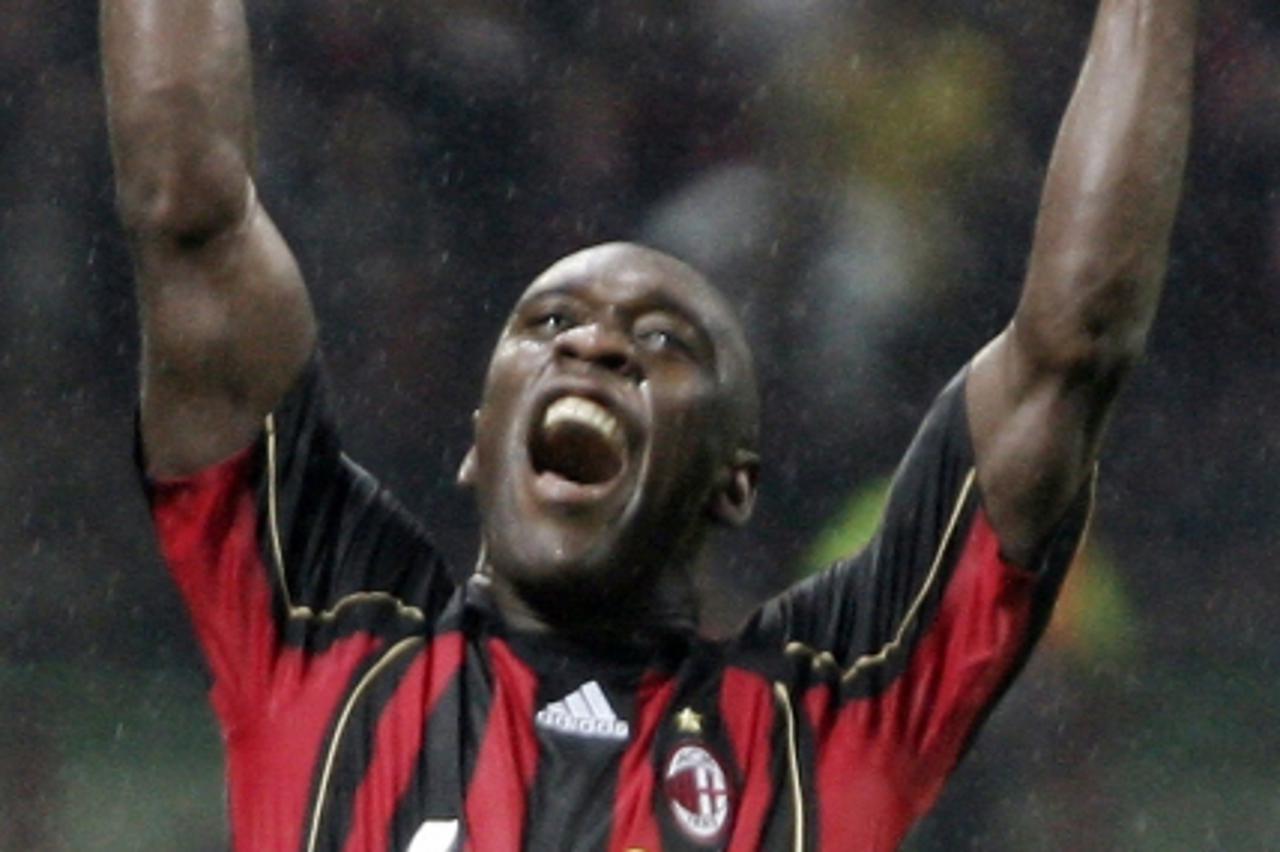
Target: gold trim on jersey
<point x="335" y="739"/>
<point x="822" y="659"/>
<point x="277" y="552"/>
<point x="781" y="692"/>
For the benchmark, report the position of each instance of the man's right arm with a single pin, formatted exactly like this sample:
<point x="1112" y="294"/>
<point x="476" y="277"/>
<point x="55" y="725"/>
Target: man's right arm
<point x="226" y="321"/>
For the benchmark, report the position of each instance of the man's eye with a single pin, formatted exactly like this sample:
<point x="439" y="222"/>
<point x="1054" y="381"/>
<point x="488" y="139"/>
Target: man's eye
<point x="551" y="322"/>
<point x="660" y="339"/>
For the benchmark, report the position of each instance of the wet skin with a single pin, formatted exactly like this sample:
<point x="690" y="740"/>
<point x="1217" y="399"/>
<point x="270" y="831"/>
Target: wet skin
<point x="616" y="427"/>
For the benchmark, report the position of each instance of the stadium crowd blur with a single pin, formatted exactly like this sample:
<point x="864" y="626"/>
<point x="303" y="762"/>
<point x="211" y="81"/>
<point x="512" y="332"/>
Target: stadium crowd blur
<point x="861" y="177"/>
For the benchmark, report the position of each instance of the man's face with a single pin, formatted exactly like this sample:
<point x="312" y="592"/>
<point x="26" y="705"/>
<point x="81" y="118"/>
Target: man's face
<point x="606" y="425"/>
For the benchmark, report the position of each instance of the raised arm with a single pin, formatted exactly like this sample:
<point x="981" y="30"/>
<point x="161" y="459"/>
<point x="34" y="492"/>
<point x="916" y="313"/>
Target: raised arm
<point x="1040" y="394"/>
<point x="225" y="317"/>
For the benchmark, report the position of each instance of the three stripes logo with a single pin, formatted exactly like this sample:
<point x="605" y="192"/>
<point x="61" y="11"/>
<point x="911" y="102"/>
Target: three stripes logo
<point x="585" y="712"/>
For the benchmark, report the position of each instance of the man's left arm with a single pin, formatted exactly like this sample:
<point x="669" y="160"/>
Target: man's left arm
<point x="904" y="648"/>
<point x="1040" y="394"/>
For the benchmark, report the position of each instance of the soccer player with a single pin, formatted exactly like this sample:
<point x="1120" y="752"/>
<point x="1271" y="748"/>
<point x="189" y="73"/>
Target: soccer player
<point x="561" y="698"/>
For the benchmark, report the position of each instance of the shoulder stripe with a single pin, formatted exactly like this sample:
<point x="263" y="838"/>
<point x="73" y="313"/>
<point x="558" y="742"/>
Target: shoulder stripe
<point x="822" y="659"/>
<point x="296" y="611"/>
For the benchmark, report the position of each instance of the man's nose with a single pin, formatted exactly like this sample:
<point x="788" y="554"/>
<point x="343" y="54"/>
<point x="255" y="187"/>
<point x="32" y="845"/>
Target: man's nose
<point x="600" y="345"/>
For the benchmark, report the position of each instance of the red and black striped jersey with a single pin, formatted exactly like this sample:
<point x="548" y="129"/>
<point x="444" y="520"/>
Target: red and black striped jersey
<point x="367" y="704"/>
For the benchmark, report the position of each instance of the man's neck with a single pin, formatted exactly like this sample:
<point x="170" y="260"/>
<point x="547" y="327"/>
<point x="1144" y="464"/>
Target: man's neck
<point x="626" y="618"/>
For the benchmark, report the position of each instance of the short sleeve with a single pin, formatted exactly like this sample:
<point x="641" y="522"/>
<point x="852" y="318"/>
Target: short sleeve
<point x="898" y="654"/>
<point x="288" y="543"/>
<point x="866" y="614"/>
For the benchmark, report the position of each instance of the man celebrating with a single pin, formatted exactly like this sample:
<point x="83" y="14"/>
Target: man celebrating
<point x="561" y="699"/>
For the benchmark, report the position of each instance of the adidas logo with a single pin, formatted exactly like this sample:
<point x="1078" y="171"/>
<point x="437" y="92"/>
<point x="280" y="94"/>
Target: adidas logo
<point x="585" y="712"/>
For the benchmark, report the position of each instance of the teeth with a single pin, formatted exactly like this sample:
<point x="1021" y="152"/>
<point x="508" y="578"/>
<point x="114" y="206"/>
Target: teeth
<point x="584" y="412"/>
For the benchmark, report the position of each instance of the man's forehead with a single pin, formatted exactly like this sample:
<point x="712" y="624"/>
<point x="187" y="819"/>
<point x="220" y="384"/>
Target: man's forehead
<point x="622" y="272"/>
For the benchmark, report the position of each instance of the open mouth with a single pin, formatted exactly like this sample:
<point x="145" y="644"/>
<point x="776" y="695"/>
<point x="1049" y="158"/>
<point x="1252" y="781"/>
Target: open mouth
<point x="578" y="440"/>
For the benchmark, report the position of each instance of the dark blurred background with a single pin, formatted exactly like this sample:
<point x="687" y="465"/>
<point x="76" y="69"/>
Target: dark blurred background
<point x="861" y="177"/>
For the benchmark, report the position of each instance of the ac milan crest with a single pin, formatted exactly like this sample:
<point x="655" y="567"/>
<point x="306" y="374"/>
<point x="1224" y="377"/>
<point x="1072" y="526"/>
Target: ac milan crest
<point x="697" y="792"/>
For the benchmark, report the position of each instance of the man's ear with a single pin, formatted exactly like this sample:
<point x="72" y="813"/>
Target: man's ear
<point x="467" y="470"/>
<point x="735" y="498"/>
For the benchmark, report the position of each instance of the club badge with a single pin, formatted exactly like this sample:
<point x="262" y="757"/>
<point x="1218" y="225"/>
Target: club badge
<point x="697" y="792"/>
